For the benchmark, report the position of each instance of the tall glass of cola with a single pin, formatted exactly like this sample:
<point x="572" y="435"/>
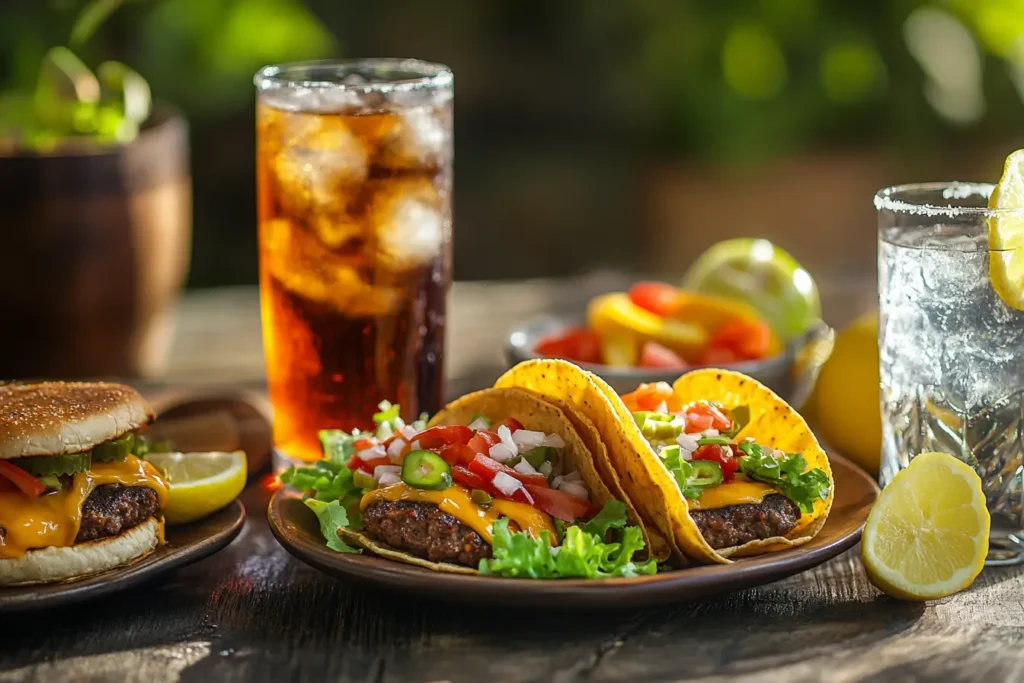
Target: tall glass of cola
<point x="354" y="180"/>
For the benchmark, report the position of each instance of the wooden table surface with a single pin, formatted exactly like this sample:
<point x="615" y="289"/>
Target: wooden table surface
<point x="253" y="613"/>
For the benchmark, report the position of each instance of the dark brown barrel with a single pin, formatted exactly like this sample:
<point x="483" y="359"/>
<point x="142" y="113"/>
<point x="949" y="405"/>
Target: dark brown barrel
<point x="94" y="249"/>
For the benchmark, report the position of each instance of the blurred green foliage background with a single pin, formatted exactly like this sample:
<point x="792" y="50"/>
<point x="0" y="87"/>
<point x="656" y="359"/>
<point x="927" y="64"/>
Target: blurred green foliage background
<point x="568" y="113"/>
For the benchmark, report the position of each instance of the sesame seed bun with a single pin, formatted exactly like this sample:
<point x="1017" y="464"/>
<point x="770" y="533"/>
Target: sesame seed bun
<point x="60" y="418"/>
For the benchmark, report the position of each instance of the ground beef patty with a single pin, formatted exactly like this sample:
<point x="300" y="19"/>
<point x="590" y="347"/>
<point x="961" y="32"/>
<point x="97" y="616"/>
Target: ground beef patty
<point x="725" y="527"/>
<point x="112" y="509"/>
<point x="424" y="530"/>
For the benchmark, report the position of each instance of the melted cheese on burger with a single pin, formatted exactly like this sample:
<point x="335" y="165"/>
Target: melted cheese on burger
<point x="739" y="491"/>
<point x="53" y="519"/>
<point x="456" y="502"/>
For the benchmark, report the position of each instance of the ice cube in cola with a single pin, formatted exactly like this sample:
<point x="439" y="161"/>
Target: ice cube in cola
<point x="355" y="264"/>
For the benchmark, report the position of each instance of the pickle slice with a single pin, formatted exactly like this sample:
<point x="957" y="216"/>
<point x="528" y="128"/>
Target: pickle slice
<point x="54" y="465"/>
<point x="117" y="449"/>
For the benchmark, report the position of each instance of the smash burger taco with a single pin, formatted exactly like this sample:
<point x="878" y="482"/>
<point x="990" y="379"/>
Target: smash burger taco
<point x="717" y="462"/>
<point x="499" y="482"/>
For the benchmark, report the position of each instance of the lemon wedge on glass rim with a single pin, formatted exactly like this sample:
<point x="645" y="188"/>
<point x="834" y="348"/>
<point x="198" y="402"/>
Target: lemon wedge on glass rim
<point x="1006" y="233"/>
<point x="201" y="483"/>
<point x="927" y="534"/>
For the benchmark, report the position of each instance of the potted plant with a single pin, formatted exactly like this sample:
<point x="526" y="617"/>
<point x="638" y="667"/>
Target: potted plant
<point x="95" y="231"/>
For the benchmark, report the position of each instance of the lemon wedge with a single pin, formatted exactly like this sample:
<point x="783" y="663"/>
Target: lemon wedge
<point x="1006" y="233"/>
<point x="927" y="535"/>
<point x="201" y="483"/>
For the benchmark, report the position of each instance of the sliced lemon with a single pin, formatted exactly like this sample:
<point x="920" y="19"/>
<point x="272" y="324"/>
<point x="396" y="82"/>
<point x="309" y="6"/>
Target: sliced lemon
<point x="1006" y="233"/>
<point x="201" y="483"/>
<point x="927" y="535"/>
<point x="764" y="276"/>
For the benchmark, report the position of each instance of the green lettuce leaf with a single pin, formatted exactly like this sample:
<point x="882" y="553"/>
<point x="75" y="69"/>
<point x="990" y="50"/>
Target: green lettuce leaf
<point x="332" y="517"/>
<point x="583" y="553"/>
<point x="787" y="474"/>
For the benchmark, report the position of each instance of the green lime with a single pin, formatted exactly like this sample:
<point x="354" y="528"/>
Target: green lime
<point x="763" y="275"/>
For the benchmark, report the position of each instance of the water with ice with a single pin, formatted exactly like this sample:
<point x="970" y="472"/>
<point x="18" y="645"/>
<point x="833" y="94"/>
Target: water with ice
<point x="952" y="360"/>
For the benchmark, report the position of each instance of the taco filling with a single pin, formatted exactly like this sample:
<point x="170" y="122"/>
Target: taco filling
<point x="469" y="492"/>
<point x="736" y="490"/>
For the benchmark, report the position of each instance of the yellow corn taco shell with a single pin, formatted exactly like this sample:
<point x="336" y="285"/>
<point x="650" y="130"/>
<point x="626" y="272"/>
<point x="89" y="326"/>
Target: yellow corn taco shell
<point x="497" y="404"/>
<point x="774" y="424"/>
<point x="646" y="485"/>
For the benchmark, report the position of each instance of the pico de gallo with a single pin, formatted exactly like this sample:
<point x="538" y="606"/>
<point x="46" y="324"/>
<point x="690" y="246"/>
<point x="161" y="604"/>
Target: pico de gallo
<point x="658" y="326"/>
<point x="476" y="470"/>
<point x="696" y="442"/>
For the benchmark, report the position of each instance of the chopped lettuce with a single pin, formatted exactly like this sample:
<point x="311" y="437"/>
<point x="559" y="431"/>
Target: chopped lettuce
<point x="583" y="553"/>
<point x="332" y="517"/>
<point x="785" y="473"/>
<point x="326" y="481"/>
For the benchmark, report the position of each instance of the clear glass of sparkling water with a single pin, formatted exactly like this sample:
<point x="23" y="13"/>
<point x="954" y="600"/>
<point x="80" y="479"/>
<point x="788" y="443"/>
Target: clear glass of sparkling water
<point x="952" y="351"/>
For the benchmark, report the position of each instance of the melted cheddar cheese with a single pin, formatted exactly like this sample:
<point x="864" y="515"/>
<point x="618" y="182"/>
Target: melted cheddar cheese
<point x="739" y="491"/>
<point x="456" y="501"/>
<point x="53" y="519"/>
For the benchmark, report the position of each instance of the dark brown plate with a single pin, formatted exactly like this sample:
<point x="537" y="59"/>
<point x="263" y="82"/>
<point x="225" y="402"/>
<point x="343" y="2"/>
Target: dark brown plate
<point x="185" y="544"/>
<point x="296" y="527"/>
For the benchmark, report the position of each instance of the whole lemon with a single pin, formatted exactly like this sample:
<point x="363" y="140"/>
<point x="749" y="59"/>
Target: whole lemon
<point x="845" y="403"/>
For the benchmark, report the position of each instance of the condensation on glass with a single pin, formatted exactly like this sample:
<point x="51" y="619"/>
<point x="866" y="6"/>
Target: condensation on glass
<point x="951" y="350"/>
<point x="354" y="182"/>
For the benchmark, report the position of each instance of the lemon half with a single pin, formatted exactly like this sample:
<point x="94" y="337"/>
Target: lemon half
<point x="927" y="535"/>
<point x="201" y="483"/>
<point x="1006" y="233"/>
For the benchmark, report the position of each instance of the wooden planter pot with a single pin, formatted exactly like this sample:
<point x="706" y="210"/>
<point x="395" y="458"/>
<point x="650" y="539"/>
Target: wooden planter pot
<point x="94" y="251"/>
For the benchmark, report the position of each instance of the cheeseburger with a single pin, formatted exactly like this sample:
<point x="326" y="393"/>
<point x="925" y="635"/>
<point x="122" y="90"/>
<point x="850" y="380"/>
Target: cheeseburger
<point x="75" y="496"/>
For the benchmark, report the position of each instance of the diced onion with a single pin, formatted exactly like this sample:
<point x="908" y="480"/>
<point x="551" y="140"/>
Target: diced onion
<point x="526" y="439"/>
<point x="524" y="466"/>
<point x="710" y="432"/>
<point x="556" y="482"/>
<point x="408" y="432"/>
<point x="572" y="476"/>
<point x="384" y="431"/>
<point x="371" y="453"/>
<point x="554" y="441"/>
<point x="380" y="470"/>
<point x="545" y="468"/>
<point x="685" y="455"/>
<point x="479" y="423"/>
<point x="415" y="445"/>
<point x="500" y="452"/>
<point x="396" y="449"/>
<point x="574" y="489"/>
<point x="388" y="478"/>
<point x="687" y="442"/>
<point x="505" y="434"/>
<point x="555" y="549"/>
<point x="662" y="408"/>
<point x="506" y="483"/>
<point x="398" y="422"/>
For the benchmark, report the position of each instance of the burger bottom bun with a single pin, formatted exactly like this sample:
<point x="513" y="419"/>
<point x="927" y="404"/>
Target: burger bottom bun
<point x="49" y="565"/>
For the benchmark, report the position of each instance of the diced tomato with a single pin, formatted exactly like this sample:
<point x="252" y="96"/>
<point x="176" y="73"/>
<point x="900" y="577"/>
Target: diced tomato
<point x="464" y="477"/>
<point x="25" y="482"/>
<point x="654" y="355"/>
<point x="713" y="355"/>
<point x="576" y="344"/>
<point x="520" y="495"/>
<point x="558" y="504"/>
<point x="486" y="468"/>
<point x="457" y="454"/>
<point x="748" y="339"/>
<point x="657" y="297"/>
<point x="719" y="420"/>
<point x="354" y="463"/>
<point x="436" y="437"/>
<point x="720" y="454"/>
<point x="512" y="424"/>
<point x="651" y="396"/>
<point x="696" y="423"/>
<point x="362" y="444"/>
<point x="483" y="440"/>
<point x="369" y="465"/>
